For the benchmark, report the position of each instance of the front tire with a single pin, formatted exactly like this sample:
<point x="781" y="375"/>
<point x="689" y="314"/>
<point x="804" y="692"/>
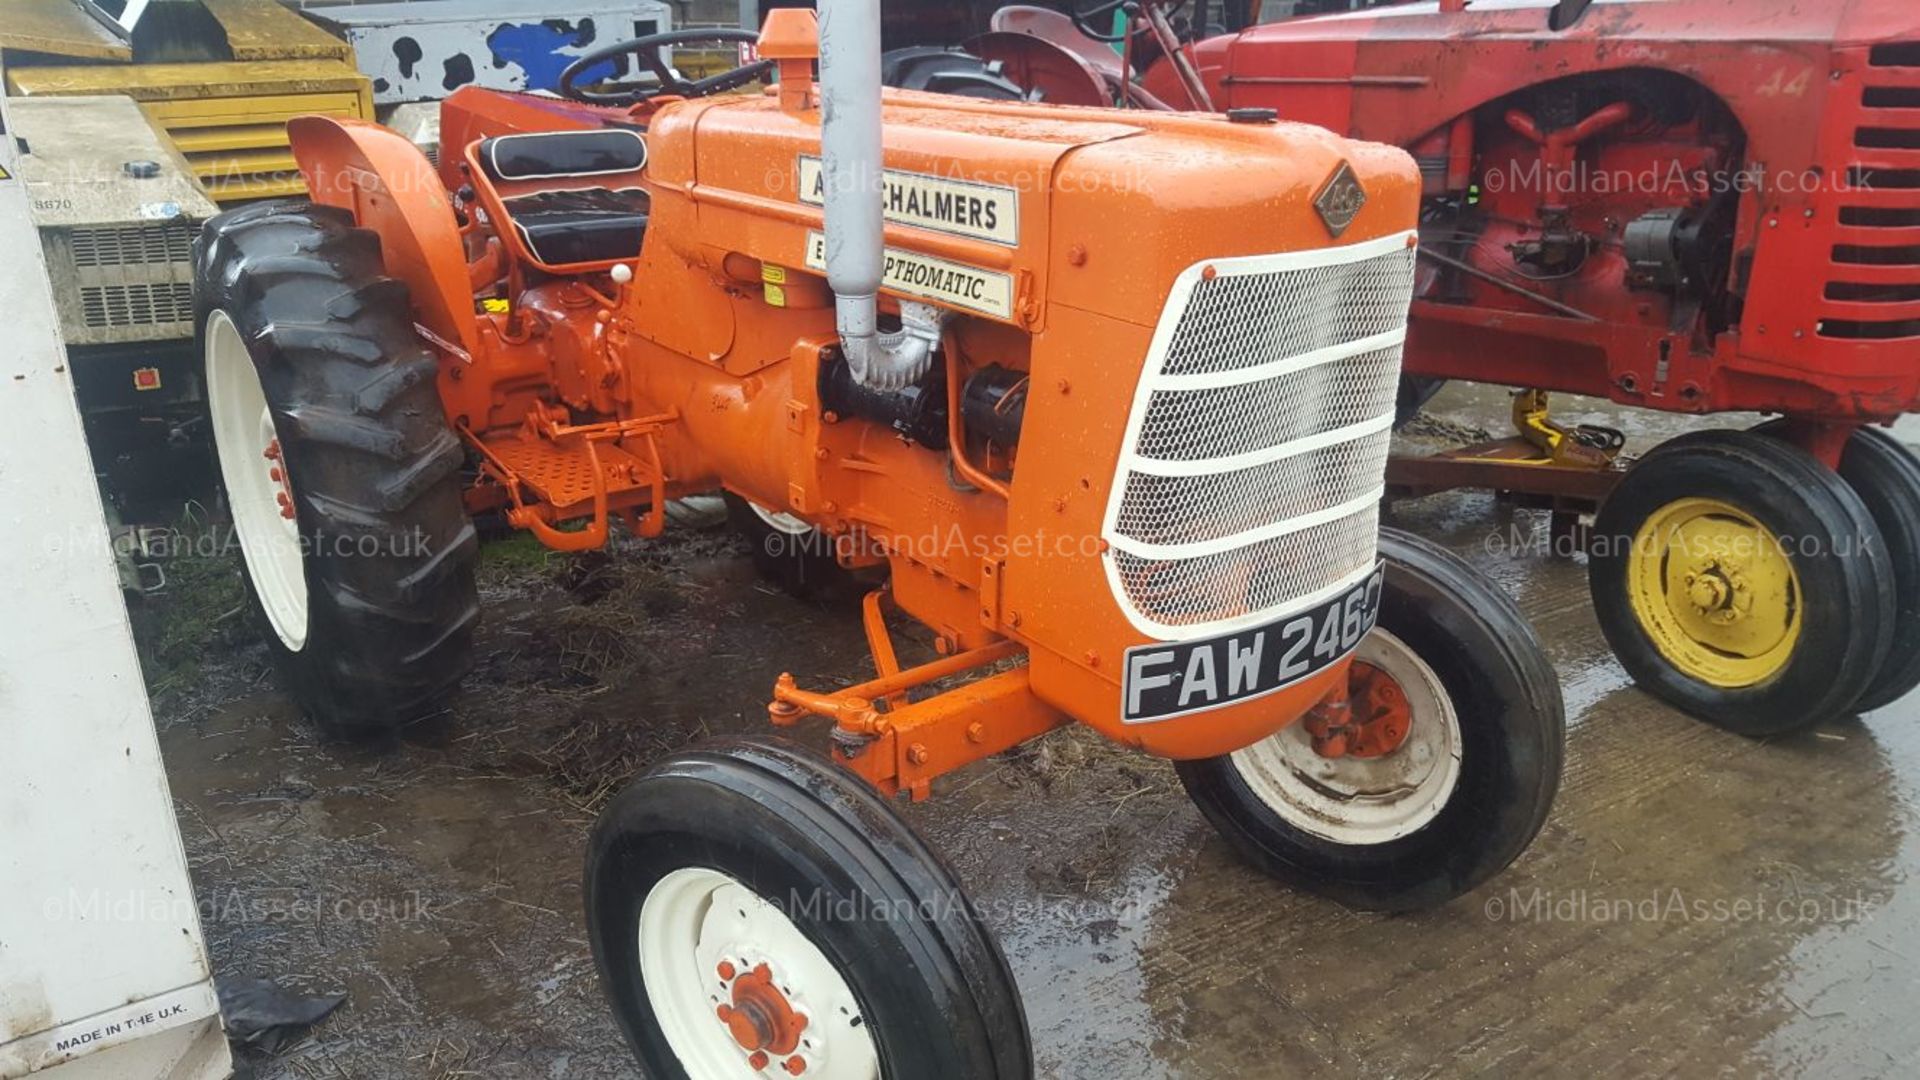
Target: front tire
<point x="1886" y="475"/>
<point x="338" y="466"/>
<point x="1741" y="581"/>
<point x="1473" y="732"/>
<point x="742" y="884"/>
<point x="788" y="551"/>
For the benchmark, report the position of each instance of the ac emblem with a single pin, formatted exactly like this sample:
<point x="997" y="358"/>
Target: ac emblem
<point x="1340" y="199"/>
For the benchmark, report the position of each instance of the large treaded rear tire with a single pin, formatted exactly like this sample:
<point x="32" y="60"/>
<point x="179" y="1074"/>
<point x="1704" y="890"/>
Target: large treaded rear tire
<point x="386" y="548"/>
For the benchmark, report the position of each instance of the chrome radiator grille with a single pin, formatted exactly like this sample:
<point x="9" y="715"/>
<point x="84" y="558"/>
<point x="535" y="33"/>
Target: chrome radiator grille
<point x="1256" y="450"/>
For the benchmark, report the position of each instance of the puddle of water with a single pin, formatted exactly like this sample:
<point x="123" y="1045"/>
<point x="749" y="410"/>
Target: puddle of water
<point x="1588" y="681"/>
<point x="1850" y="985"/>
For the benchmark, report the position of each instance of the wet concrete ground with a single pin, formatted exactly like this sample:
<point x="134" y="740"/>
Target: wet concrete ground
<point x="1698" y="902"/>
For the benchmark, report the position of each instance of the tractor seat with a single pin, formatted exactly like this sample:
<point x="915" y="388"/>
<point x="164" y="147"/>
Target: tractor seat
<point x="573" y="196"/>
<point x="581" y="225"/>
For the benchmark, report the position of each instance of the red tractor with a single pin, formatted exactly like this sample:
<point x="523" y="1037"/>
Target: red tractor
<point x="1674" y="205"/>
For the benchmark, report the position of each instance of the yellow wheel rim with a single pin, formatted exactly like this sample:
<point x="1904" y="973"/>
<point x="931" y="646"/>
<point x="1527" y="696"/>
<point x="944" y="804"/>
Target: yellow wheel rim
<point x="1716" y="592"/>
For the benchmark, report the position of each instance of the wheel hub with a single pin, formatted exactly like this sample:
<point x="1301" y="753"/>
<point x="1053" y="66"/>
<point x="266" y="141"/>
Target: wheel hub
<point x="740" y="992"/>
<point x="1715" y="591"/>
<point x="1372" y="720"/>
<point x="760" y="1017"/>
<point x="1360" y="769"/>
<point x="277" y="473"/>
<point x="1719" y="592"/>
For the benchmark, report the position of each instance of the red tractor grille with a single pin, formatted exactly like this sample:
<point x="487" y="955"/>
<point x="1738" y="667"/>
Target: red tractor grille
<point x="1873" y="289"/>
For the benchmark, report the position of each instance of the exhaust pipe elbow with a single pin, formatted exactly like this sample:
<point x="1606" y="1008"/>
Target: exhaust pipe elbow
<point x="851" y="163"/>
<point x="896" y="360"/>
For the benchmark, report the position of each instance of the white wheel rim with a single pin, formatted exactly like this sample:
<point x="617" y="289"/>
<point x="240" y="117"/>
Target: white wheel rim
<point x="1363" y="801"/>
<point x="694" y="921"/>
<point x="243" y="434"/>
<point x="785" y="523"/>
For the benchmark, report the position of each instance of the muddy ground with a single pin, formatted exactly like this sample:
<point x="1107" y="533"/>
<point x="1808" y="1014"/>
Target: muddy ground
<point x="1698" y="902"/>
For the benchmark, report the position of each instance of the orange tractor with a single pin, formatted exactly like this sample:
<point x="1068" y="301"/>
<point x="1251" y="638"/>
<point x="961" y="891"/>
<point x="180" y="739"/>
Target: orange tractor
<point x="1106" y="394"/>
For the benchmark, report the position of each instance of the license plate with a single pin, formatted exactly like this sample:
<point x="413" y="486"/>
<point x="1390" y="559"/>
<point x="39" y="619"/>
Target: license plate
<point x="1172" y="679"/>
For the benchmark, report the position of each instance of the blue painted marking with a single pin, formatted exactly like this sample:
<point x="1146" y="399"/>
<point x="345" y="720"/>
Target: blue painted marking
<point x="537" y="49"/>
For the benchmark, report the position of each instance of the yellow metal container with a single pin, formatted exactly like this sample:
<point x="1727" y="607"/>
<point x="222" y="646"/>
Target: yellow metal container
<point x="227" y="116"/>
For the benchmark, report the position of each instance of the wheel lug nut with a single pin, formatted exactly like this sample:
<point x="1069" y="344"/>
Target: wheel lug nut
<point x="757" y="1060"/>
<point x="795" y="1065"/>
<point x="727" y="971"/>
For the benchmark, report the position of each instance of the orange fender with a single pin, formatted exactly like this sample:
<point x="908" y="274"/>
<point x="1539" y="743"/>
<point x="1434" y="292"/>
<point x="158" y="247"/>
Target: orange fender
<point x="390" y="187"/>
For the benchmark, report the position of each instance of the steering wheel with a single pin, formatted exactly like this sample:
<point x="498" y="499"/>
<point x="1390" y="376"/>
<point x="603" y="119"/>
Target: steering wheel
<point x="1086" y="21"/>
<point x="647" y="51"/>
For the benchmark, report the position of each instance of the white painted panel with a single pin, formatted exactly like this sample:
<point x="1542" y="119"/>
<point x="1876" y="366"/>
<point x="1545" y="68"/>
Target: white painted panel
<point x="423" y="52"/>
<point x="100" y="946"/>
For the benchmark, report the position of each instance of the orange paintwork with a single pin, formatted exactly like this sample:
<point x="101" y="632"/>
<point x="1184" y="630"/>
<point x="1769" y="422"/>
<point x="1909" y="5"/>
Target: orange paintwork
<point x="759" y="1016"/>
<point x="1370" y="719"/>
<point x="391" y="188"/>
<point x="791" y="38"/>
<point x="1111" y="208"/>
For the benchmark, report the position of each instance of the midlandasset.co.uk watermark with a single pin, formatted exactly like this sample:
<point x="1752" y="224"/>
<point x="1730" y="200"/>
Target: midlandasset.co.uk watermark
<point x="1671" y="905"/>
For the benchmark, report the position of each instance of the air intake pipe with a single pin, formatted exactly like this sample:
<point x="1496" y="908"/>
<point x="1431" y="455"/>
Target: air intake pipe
<point x="853" y="175"/>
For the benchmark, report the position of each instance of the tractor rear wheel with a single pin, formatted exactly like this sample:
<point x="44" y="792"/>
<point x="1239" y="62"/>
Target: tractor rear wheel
<point x="1743" y="582"/>
<point x="338" y="465"/>
<point x="1444" y="782"/>
<point x="757" y="911"/>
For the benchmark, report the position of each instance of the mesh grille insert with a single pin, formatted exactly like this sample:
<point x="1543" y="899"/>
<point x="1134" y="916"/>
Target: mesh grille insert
<point x="1259" y="577"/>
<point x="1259" y="447"/>
<point x="1183" y="509"/>
<point x="1184" y="425"/>
<point x="1302" y="310"/>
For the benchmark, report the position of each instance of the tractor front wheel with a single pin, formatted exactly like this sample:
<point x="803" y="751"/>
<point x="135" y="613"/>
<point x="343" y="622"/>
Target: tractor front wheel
<point x="338" y="465"/>
<point x="1743" y="582"/>
<point x="1443" y="774"/>
<point x="788" y="551"/>
<point x="1886" y="475"/>
<point x="757" y="911"/>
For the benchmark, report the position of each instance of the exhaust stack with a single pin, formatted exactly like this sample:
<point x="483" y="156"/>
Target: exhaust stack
<point x="853" y="174"/>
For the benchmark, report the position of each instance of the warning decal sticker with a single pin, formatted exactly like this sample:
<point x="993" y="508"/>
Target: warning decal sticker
<point x="934" y="279"/>
<point x="960" y="207"/>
